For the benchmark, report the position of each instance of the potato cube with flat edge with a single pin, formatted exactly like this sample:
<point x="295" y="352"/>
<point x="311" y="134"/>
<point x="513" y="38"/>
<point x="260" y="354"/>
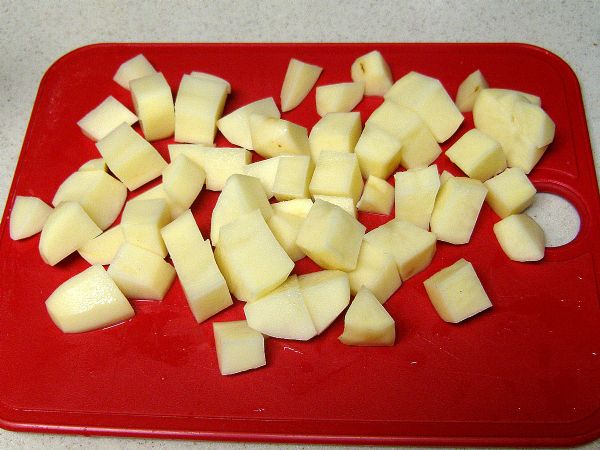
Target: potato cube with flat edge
<point x="183" y="181"/>
<point x="158" y="192"/>
<point x="415" y="191"/>
<point x="285" y="228"/>
<point x="374" y="71"/>
<point x="339" y="97"/>
<point x="510" y="192"/>
<point x="521" y="238"/>
<point x="103" y="248"/>
<point x="337" y="174"/>
<point x="265" y="171"/>
<point x="104" y="118"/>
<point x="132" y="69"/>
<point x="336" y="132"/>
<point x="299" y="79"/>
<point x="456" y="292"/>
<point x="153" y="104"/>
<point x="331" y="237"/>
<point x="477" y="155"/>
<point x="468" y="91"/>
<point x="346" y="203"/>
<point x="239" y="347"/>
<point x="211" y="77"/>
<point x="378" y="152"/>
<point x="141" y="222"/>
<point x="27" y="216"/>
<point x="293" y="177"/>
<point x="377" y="196"/>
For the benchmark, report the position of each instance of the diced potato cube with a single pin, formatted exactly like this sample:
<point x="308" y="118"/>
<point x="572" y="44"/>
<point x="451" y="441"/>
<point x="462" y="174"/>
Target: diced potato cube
<point x="510" y="192"/>
<point x="299" y="79"/>
<point x="272" y="136"/>
<point x="340" y="97"/>
<point x="346" y="203"/>
<point x="521" y="238"/>
<point x="468" y="91"/>
<point x="293" y="177"/>
<point x="132" y="69"/>
<point x="415" y="192"/>
<point x="456" y="292"/>
<point x="377" y="196"/>
<point x="239" y="347"/>
<point x="183" y="181"/>
<point x="285" y="228"/>
<point x="378" y="152"/>
<point x="104" y="118"/>
<point x="265" y="171"/>
<point x="477" y="155"/>
<point x="337" y="174"/>
<point x="374" y="71"/>
<point x="153" y="103"/>
<point x="335" y="132"/>
<point x="103" y="248"/>
<point x="28" y="216"/>
<point x="141" y="222"/>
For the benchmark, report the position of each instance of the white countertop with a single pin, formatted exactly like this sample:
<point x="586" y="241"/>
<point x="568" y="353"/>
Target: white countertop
<point x="35" y="34"/>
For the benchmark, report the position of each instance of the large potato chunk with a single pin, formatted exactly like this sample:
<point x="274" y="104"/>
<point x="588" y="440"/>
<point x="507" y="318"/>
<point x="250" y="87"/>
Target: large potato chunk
<point x="153" y="103"/>
<point x="28" y="216"/>
<point x="336" y="132"/>
<point x="374" y="71"/>
<point x="141" y="222"/>
<point x="379" y="153"/>
<point x="456" y="292"/>
<point x="521" y="238"/>
<point x="104" y="118"/>
<point x="132" y="69"/>
<point x="299" y="79"/>
<point x="511" y="192"/>
<point x="337" y="174"/>
<point x="239" y="347"/>
<point x="88" y="301"/>
<point x="414" y="195"/>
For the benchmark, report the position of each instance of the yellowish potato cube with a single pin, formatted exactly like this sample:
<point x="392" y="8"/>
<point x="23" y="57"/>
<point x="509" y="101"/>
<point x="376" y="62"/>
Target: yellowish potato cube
<point x="367" y="323"/>
<point x="293" y="177"/>
<point x="28" y="216"/>
<point x="374" y="71"/>
<point x="337" y="174"/>
<point x="468" y="91"/>
<point x="239" y="347"/>
<point x="339" y="97"/>
<point x="132" y="69"/>
<point x="141" y="222"/>
<point x="521" y="238"/>
<point x="265" y="171"/>
<point x="103" y="248"/>
<point x="346" y="203"/>
<point x="335" y="132"/>
<point x="299" y="79"/>
<point x="415" y="192"/>
<point x="377" y="196"/>
<point x="285" y="228"/>
<point x="183" y="181"/>
<point x="104" y="118"/>
<point x="153" y="103"/>
<point x="378" y="152"/>
<point x="477" y="155"/>
<point x="510" y="192"/>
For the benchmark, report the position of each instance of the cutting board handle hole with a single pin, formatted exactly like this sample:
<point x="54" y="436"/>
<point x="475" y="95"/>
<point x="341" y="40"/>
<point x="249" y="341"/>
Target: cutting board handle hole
<point x="557" y="216"/>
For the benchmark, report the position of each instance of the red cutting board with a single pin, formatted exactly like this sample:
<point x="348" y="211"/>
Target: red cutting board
<point x="526" y="372"/>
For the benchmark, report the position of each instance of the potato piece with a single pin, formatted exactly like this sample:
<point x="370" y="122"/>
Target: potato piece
<point x="282" y="313"/>
<point x="66" y="229"/>
<point x="132" y="69"/>
<point x="377" y="196"/>
<point x="521" y="238"/>
<point x="331" y="237"/>
<point x="367" y="323"/>
<point x="104" y="118"/>
<point x="346" y="203"/>
<point x="340" y="97"/>
<point x="337" y="174"/>
<point x="297" y="207"/>
<point x="103" y="248"/>
<point x="88" y="301"/>
<point x="429" y="99"/>
<point x="219" y="163"/>
<point x="534" y="124"/>
<point x="203" y="284"/>
<point x="140" y="273"/>
<point x="285" y="228"/>
<point x="235" y="126"/>
<point x="456" y="292"/>
<point x="211" y="77"/>
<point x="444" y="176"/>
<point x="293" y="177"/>
<point x="477" y="155"/>
<point x="28" y="216"/>
<point x="335" y="132"/>
<point x="456" y="209"/>
<point x="239" y="347"/>
<point x="326" y="294"/>
<point x="130" y="157"/>
<point x="272" y="136"/>
<point x="250" y="258"/>
<point x="265" y="171"/>
<point x="158" y="192"/>
<point x="415" y="192"/>
<point x="374" y="71"/>
<point x="101" y="196"/>
<point x="93" y="164"/>
<point x="510" y="192"/>
<point x="141" y="222"/>
<point x="379" y="153"/>
<point x="240" y="195"/>
<point x="375" y="270"/>
<point x="198" y="106"/>
<point x="299" y="79"/>
<point x="183" y="181"/>
<point x="411" y="247"/>
<point x="153" y="104"/>
<point x="468" y="91"/>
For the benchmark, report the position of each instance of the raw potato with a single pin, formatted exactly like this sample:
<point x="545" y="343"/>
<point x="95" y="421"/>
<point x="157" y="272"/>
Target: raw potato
<point x="101" y="196"/>
<point x="130" y="157"/>
<point x="299" y="79"/>
<point x="104" y="118"/>
<point x="285" y="228"/>
<point x="282" y="313"/>
<point x="235" y="126"/>
<point x="218" y="163"/>
<point x="340" y="97"/>
<point x="240" y="195"/>
<point x="444" y="176"/>
<point x="367" y="323"/>
<point x="158" y="192"/>
<point x="298" y="207"/>
<point x="67" y="228"/>
<point x="203" y="284"/>
<point x="132" y="69"/>
<point x="183" y="181"/>
<point x="336" y="132"/>
<point x="477" y="155"/>
<point x="209" y="76"/>
<point x="141" y="222"/>
<point x="28" y="216"/>
<point x="346" y="203"/>
<point x="374" y="71"/>
<point x="140" y="273"/>
<point x="411" y="247"/>
<point x="93" y="164"/>
<point x="456" y="292"/>
<point x="88" y="301"/>
<point x="103" y="248"/>
<point x="250" y="258"/>
<point x="521" y="238"/>
<point x="456" y="209"/>
<point x="378" y="152"/>
<point x="153" y="103"/>
<point x="326" y="294"/>
<point x="375" y="270"/>
<point x="331" y="237"/>
<point x="293" y="177"/>
<point x="272" y="136"/>
<point x="468" y="91"/>
<point x="239" y="347"/>
<point x="265" y="171"/>
<point x="415" y="192"/>
<point x="198" y="106"/>
<point x="337" y="174"/>
<point x="511" y="192"/>
<point x="377" y="196"/>
<point x="430" y="100"/>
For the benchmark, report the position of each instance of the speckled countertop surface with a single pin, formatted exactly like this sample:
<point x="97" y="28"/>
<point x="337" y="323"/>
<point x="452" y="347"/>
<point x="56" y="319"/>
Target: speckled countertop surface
<point x="35" y="34"/>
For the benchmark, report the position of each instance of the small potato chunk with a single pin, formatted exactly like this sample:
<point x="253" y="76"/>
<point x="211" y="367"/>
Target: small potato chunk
<point x="456" y="209"/>
<point x="299" y="79"/>
<point x="468" y="91"/>
<point x="367" y="323"/>
<point x="346" y="203"/>
<point x="104" y="118"/>
<point x="132" y="69"/>
<point x="265" y="171"/>
<point x="88" y="301"/>
<point x="293" y="177"/>
<point x="28" y="216"/>
<point x="415" y="192"/>
<point x="377" y="196"/>
<point x="337" y="174"/>
<point x="335" y="132"/>
<point x="326" y="294"/>
<point x="477" y="155"/>
<point x="521" y="238"/>
<point x="272" y="137"/>
<point x="510" y="192"/>
<point x="153" y="103"/>
<point x="285" y="228"/>
<point x="66" y="229"/>
<point x="130" y="157"/>
<point x="140" y="273"/>
<point x="239" y="347"/>
<point x="297" y="207"/>
<point x="374" y="71"/>
<point x="183" y="181"/>
<point x="331" y="237"/>
<point x="141" y="222"/>
<point x="340" y="97"/>
<point x="103" y="248"/>
<point x="378" y="152"/>
<point x="456" y="292"/>
<point x="282" y="313"/>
